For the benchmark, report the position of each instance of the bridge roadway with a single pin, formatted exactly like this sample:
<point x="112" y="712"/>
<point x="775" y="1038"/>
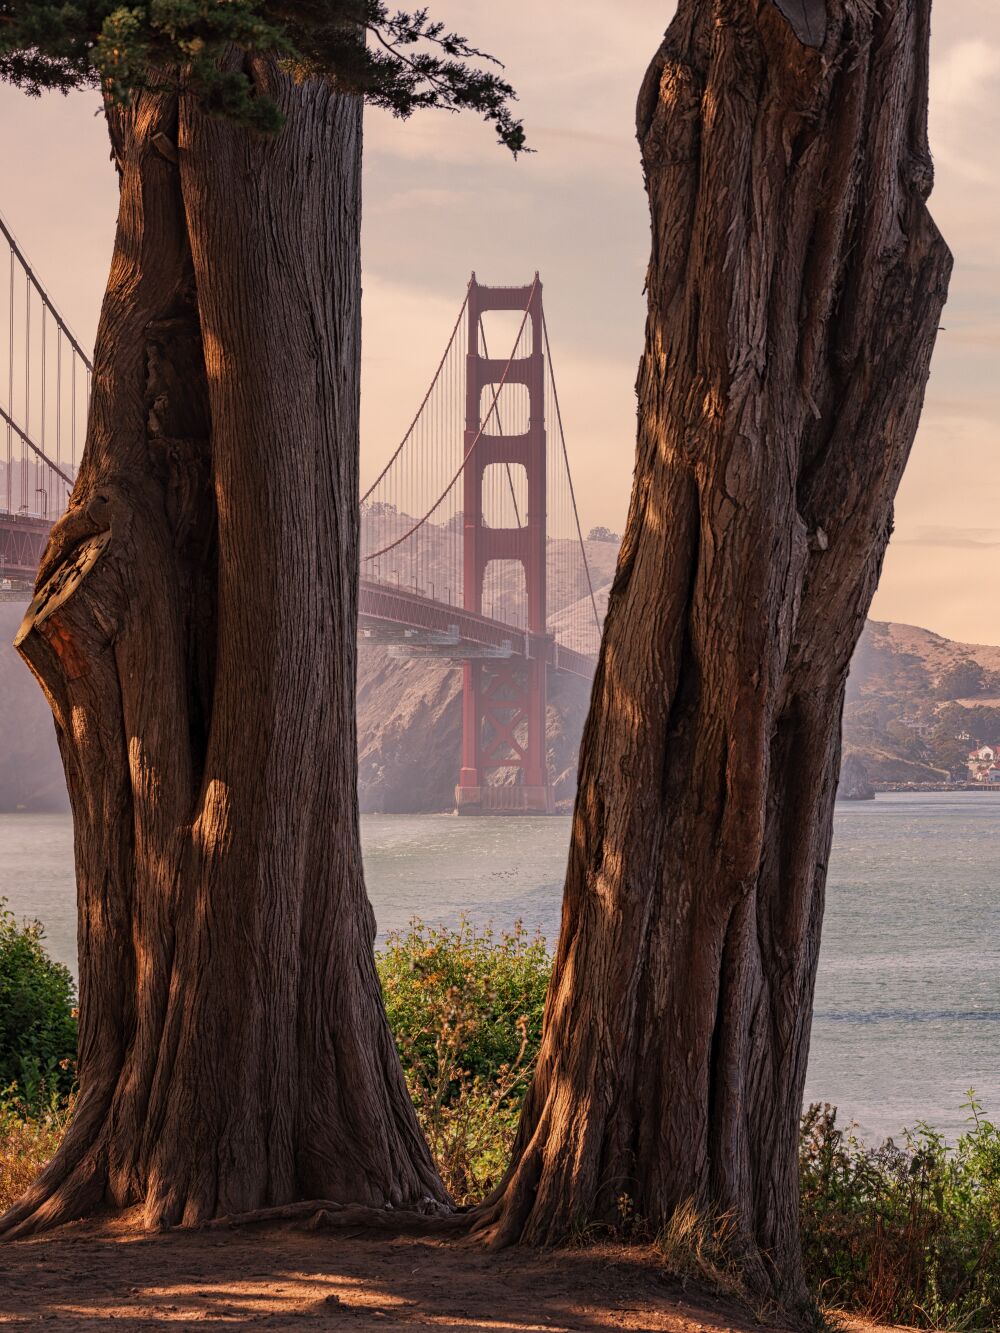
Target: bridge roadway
<point x="22" y="541"/>
<point x="407" y="622"/>
<point x="422" y="627"/>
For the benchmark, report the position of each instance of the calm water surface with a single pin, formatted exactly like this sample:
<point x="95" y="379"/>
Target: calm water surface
<point x="908" y="1000"/>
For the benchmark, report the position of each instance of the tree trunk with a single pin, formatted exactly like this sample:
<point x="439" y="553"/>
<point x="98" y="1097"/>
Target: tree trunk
<point x="795" y="287"/>
<point x="195" y="632"/>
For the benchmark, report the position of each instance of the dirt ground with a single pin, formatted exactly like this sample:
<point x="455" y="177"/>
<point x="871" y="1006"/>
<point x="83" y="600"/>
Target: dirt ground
<point x="83" y="1278"/>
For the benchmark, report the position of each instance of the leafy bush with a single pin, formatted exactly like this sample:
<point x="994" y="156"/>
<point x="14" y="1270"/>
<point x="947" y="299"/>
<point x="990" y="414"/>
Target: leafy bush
<point x="466" y="1009"/>
<point x="37" y="1018"/>
<point x="906" y="1233"/>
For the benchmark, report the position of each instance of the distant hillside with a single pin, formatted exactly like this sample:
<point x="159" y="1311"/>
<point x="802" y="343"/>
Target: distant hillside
<point x="410" y="733"/>
<point x="916" y="703"/>
<point x="906" y="661"/>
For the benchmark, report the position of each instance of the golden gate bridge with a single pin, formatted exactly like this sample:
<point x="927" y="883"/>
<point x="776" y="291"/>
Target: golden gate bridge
<point x="472" y="551"/>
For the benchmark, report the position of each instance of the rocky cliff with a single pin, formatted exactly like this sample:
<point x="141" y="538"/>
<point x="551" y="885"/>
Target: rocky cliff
<point x="854" y="782"/>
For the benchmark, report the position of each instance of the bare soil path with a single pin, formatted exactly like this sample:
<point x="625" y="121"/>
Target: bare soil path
<point x="84" y="1278"/>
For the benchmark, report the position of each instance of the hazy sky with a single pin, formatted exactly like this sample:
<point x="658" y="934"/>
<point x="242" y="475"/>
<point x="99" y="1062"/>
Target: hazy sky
<point x="441" y="199"/>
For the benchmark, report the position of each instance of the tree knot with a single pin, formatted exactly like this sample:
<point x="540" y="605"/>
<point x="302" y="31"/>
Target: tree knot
<point x="807" y="18"/>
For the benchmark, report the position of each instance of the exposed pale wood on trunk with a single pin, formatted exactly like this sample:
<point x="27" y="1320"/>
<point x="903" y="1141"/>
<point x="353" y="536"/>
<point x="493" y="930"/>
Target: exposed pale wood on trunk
<point x="795" y="287"/>
<point x="234" y="1052"/>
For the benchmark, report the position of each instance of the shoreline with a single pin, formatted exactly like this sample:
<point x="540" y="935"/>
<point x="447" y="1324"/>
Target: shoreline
<point x="993" y="787"/>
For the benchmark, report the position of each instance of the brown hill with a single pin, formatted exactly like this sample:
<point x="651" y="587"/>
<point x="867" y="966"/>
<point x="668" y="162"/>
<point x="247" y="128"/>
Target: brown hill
<point x="906" y="661"/>
<point x="917" y="702"/>
<point x="410" y="733"/>
<point x="410" y="711"/>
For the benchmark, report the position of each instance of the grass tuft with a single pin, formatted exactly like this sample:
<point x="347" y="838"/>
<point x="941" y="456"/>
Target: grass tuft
<point x="28" y="1138"/>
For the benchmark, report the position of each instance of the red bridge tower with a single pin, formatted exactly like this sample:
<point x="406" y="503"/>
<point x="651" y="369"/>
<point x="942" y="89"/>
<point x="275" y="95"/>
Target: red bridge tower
<point x="505" y="700"/>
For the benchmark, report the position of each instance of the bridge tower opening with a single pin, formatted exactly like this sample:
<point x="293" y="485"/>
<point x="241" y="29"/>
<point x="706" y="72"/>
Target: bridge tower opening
<point x="504" y="701"/>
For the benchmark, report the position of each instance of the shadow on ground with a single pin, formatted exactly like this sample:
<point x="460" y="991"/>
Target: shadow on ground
<point x="84" y="1278"/>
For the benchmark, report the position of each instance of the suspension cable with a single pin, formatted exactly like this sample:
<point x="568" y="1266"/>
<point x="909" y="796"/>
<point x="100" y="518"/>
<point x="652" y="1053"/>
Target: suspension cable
<point x="42" y="293"/>
<point x="423" y="404"/>
<point x="26" y="439"/>
<point x="479" y="435"/>
<point x="35" y="439"/>
<point x="569" y="474"/>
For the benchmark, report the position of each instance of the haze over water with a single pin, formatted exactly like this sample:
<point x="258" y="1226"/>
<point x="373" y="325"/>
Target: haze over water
<point x="908" y="999"/>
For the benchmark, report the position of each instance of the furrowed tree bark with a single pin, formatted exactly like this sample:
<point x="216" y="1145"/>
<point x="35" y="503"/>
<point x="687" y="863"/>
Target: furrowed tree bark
<point x="194" y="629"/>
<point x="795" y="287"/>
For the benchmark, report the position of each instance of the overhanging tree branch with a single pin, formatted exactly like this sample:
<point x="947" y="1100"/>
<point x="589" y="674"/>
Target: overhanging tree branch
<point x="49" y="44"/>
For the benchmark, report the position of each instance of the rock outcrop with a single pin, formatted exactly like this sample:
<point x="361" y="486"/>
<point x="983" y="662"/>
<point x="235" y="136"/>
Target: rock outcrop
<point x="854" y="783"/>
<point x="410" y="733"/>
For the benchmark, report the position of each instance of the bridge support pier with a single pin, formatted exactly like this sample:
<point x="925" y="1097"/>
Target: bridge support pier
<point x="503" y="727"/>
<point x="504" y="702"/>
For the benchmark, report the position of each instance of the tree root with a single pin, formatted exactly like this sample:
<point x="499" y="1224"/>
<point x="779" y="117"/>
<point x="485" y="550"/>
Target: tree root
<point x="42" y="1208"/>
<point x="77" y="1198"/>
<point x="328" y="1215"/>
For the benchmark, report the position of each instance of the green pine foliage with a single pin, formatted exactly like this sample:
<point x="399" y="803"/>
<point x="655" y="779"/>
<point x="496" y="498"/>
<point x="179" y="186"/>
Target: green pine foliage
<point x="37" y="1018"/>
<point x="404" y="61"/>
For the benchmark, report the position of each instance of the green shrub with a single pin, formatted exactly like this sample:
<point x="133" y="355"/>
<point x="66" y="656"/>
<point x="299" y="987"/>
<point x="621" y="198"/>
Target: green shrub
<point x="497" y="983"/>
<point x="466" y="1009"/>
<point x="906" y="1233"/>
<point x="37" y="1018"/>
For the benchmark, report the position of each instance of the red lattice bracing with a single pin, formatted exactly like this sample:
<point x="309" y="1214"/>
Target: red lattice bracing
<point x="504" y="703"/>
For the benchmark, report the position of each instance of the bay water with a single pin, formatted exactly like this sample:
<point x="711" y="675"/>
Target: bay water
<point x="908" y="999"/>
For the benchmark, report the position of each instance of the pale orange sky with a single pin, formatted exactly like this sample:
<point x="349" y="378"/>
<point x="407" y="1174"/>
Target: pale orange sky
<point x="441" y="199"/>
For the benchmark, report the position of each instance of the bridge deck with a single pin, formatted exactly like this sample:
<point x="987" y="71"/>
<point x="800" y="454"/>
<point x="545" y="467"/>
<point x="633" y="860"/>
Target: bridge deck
<point x="383" y="606"/>
<point x="22" y="541"/>
<point x="450" y="631"/>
